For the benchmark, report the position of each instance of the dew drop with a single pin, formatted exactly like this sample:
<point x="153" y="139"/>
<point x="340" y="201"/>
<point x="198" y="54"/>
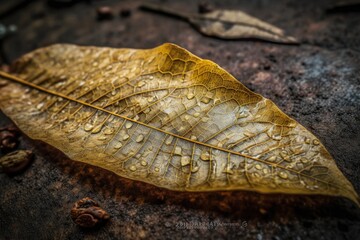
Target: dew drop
<point x="156" y="169"/>
<point x="139" y="138"/>
<point x="190" y="96"/>
<point x="205" y="156"/>
<point x="283" y="175"/>
<point x="181" y="129"/>
<point x="195" y="168"/>
<point x="245" y="152"/>
<point x="285" y="156"/>
<point x="272" y="158"/>
<point x="118" y="145"/>
<point x="143" y="163"/>
<point x="169" y="140"/>
<point x="151" y="77"/>
<point x="241" y="114"/>
<point x="133" y="168"/>
<point x="39" y="106"/>
<point x="205" y="119"/>
<point x="304" y="160"/>
<point x="95" y="64"/>
<point x="276" y="137"/>
<point x="136" y="117"/>
<point x="88" y="127"/>
<point x="97" y="128"/>
<point x="102" y="138"/>
<point x="151" y="99"/>
<point x="126" y="137"/>
<point x="258" y="166"/>
<point x="248" y="134"/>
<point x="228" y="170"/>
<point x="316" y="142"/>
<point x="185" y="160"/>
<point x="186" y="117"/>
<point x="256" y="175"/>
<point x="128" y="125"/>
<point x="113" y="92"/>
<point x="205" y="100"/>
<point x="307" y="140"/>
<point x="141" y="84"/>
<point x="108" y="131"/>
<point x="265" y="171"/>
<point x="196" y="114"/>
<point x="178" y="150"/>
<point x="193" y="138"/>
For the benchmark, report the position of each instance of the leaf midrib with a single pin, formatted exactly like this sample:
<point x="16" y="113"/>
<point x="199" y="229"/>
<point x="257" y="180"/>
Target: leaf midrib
<point x="51" y="92"/>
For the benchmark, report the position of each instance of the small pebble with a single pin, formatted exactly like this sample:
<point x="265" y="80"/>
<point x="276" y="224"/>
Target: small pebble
<point x="15" y="162"/>
<point x="87" y="213"/>
<point x="104" y="13"/>
<point x="9" y="139"/>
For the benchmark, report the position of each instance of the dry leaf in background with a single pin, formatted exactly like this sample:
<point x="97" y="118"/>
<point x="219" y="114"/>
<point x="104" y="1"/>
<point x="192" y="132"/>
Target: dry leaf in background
<point x="165" y="117"/>
<point x="228" y="24"/>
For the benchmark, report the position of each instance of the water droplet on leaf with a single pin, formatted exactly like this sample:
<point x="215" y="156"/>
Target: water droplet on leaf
<point x="118" y="145"/>
<point x="169" y="140"/>
<point x="205" y="156"/>
<point x="88" y="127"/>
<point x="185" y="160"/>
<point x="128" y="125"/>
<point x="125" y="137"/>
<point x="178" y="150"/>
<point x="283" y="175"/>
<point x="140" y="138"/>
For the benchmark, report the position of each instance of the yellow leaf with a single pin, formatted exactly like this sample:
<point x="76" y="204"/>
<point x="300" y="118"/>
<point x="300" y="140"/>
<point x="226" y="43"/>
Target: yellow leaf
<point x="165" y="117"/>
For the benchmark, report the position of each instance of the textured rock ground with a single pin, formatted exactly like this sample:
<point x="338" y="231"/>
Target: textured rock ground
<point x="317" y="83"/>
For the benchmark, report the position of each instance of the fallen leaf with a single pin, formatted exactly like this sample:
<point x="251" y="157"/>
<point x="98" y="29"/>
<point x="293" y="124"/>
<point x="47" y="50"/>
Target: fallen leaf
<point x="228" y="24"/>
<point x="165" y="117"/>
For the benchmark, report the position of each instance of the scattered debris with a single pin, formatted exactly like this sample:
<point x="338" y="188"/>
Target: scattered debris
<point x="87" y="213"/>
<point x="104" y="13"/>
<point x="9" y="139"/>
<point x="16" y="161"/>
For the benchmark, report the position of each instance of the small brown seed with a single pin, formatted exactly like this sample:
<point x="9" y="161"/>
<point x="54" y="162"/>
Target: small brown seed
<point x="8" y="139"/>
<point x="87" y="213"/>
<point x="15" y="162"/>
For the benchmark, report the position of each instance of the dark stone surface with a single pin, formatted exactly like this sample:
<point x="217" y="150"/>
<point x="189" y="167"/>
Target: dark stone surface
<point x="317" y="83"/>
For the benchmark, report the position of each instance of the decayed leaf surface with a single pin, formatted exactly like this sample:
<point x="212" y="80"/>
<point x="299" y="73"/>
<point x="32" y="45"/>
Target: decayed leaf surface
<point x="166" y="117"/>
<point x="229" y="24"/>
